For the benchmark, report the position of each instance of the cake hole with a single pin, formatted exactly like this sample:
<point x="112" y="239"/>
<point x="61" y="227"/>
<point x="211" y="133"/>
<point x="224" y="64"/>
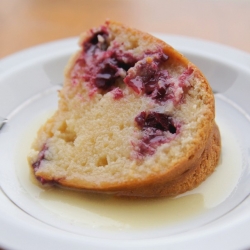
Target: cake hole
<point x="62" y="128"/>
<point x="121" y="126"/>
<point x="191" y="157"/>
<point x="66" y="134"/>
<point x="102" y="161"/>
<point x="69" y="137"/>
<point x="135" y="43"/>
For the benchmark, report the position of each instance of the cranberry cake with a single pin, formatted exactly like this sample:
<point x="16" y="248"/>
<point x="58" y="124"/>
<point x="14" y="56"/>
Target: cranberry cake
<point x="134" y="118"/>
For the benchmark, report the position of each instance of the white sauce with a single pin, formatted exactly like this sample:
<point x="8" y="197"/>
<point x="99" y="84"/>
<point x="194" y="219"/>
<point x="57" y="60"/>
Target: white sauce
<point x="99" y="211"/>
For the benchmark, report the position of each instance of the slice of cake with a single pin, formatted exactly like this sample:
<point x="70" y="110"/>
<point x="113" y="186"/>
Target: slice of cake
<point x="134" y="118"/>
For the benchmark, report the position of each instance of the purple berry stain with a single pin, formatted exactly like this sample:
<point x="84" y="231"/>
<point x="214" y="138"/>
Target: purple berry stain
<point x="154" y="127"/>
<point x="41" y="156"/>
<point x="36" y="165"/>
<point x="148" y="78"/>
<point x="101" y="65"/>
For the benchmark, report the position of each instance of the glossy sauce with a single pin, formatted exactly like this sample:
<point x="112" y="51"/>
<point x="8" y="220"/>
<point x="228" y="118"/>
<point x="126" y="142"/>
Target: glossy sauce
<point x="101" y="211"/>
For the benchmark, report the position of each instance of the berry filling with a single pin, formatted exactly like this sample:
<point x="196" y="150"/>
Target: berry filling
<point x="101" y="64"/>
<point x="36" y="165"/>
<point x="148" y="78"/>
<point x="41" y="156"/>
<point x="104" y="63"/>
<point x="155" y="131"/>
<point x="117" y="93"/>
<point x="98" y="39"/>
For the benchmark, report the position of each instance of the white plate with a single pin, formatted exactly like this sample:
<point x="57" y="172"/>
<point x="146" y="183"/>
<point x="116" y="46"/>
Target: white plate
<point x="31" y="218"/>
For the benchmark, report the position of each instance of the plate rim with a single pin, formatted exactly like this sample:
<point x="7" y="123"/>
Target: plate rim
<point x="9" y="64"/>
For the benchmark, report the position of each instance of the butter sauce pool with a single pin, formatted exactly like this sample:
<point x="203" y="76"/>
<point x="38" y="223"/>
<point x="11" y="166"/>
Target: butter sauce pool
<point x="119" y="214"/>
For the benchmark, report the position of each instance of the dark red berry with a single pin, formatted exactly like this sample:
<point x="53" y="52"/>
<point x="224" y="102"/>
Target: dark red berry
<point x="154" y="126"/>
<point x="148" y="78"/>
<point x="41" y="156"/>
<point x="156" y="121"/>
